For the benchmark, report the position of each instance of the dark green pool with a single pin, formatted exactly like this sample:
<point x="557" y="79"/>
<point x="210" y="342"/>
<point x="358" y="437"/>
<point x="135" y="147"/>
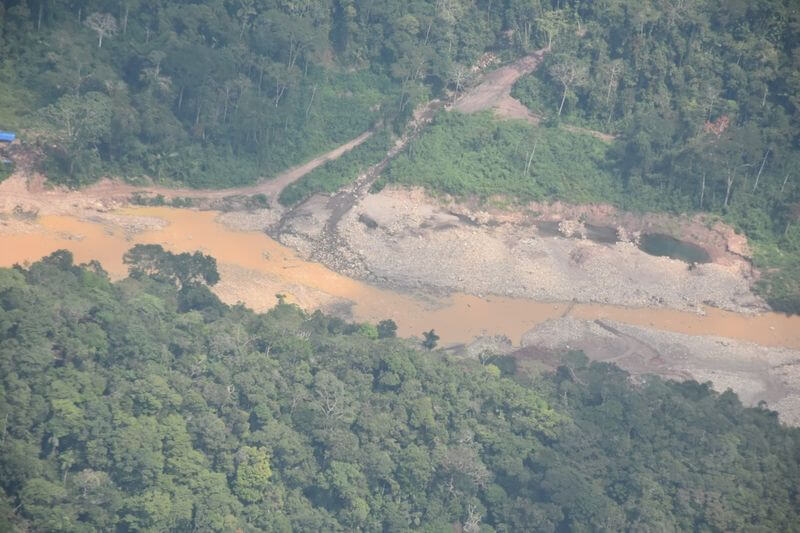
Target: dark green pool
<point x="665" y="246"/>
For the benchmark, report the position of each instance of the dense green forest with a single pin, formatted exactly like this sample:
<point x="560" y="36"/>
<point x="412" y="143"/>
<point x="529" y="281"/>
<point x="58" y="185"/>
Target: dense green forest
<point x="148" y="405"/>
<point x="220" y="92"/>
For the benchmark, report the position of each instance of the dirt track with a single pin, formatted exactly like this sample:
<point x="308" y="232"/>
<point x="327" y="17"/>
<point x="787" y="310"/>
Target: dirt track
<point x="28" y="189"/>
<point x="271" y="187"/>
<point x="494" y="92"/>
<point x="313" y="227"/>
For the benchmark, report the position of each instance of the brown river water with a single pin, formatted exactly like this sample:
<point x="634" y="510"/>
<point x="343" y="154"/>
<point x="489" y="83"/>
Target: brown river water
<point x="457" y="318"/>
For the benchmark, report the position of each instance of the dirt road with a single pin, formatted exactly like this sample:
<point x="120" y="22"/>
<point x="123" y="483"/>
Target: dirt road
<point x="271" y="187"/>
<point x="494" y="92"/>
<point x="29" y="190"/>
<point x="314" y="225"/>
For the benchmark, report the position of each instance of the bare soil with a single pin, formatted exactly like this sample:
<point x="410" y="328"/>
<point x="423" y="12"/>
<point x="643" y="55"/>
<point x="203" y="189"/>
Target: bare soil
<point x="28" y="188"/>
<point x="494" y="92"/>
<point x="496" y="86"/>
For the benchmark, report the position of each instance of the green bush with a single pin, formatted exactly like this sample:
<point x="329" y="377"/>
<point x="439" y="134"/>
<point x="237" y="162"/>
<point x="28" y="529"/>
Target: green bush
<point x="476" y="155"/>
<point x="6" y="169"/>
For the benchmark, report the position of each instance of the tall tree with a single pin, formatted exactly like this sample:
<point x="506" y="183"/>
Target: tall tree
<point x="552" y="23"/>
<point x="569" y="73"/>
<point x="103" y="24"/>
<point x="79" y="124"/>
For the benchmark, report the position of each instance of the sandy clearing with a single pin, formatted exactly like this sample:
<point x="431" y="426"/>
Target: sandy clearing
<point x="496" y="86"/>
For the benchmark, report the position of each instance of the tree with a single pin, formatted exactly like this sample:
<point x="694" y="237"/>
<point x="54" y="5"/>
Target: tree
<point x="182" y="270"/>
<point x="103" y="24"/>
<point x="252" y="474"/>
<point x="613" y="71"/>
<point x="152" y="75"/>
<point x="570" y="74"/>
<point x="245" y="14"/>
<point x="78" y="123"/>
<point x="459" y="75"/>
<point x="431" y="339"/>
<point x="41" y="500"/>
<point x="126" y="13"/>
<point x="761" y="169"/>
<point x="793" y="215"/>
<point x="332" y="398"/>
<point x="387" y="329"/>
<point x="552" y="23"/>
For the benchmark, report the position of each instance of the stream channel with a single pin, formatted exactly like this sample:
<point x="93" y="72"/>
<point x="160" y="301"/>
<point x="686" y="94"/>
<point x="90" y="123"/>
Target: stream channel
<point x="263" y="262"/>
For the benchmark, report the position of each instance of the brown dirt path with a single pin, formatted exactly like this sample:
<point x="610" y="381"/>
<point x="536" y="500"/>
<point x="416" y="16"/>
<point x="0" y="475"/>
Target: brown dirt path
<point x="271" y="187"/>
<point x="493" y="88"/>
<point x="29" y="189"/>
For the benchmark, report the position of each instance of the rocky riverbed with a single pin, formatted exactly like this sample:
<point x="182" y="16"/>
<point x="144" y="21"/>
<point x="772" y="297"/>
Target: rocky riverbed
<point x="406" y="240"/>
<point x="756" y="373"/>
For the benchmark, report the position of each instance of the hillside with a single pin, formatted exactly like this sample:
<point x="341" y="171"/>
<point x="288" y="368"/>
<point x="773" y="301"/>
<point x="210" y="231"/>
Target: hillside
<point x="141" y="406"/>
<point x="481" y="178"/>
<point x="696" y="104"/>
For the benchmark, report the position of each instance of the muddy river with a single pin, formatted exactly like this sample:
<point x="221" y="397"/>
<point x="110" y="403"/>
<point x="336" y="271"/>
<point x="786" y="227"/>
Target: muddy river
<point x="254" y="268"/>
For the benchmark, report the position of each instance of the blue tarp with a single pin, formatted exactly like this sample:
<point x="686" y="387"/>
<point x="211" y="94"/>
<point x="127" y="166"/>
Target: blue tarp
<point x="7" y="136"/>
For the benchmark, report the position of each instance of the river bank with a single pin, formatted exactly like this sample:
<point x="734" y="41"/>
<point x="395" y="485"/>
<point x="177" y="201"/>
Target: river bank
<point x="756" y="373"/>
<point x="254" y="268"/>
<point x="254" y="260"/>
